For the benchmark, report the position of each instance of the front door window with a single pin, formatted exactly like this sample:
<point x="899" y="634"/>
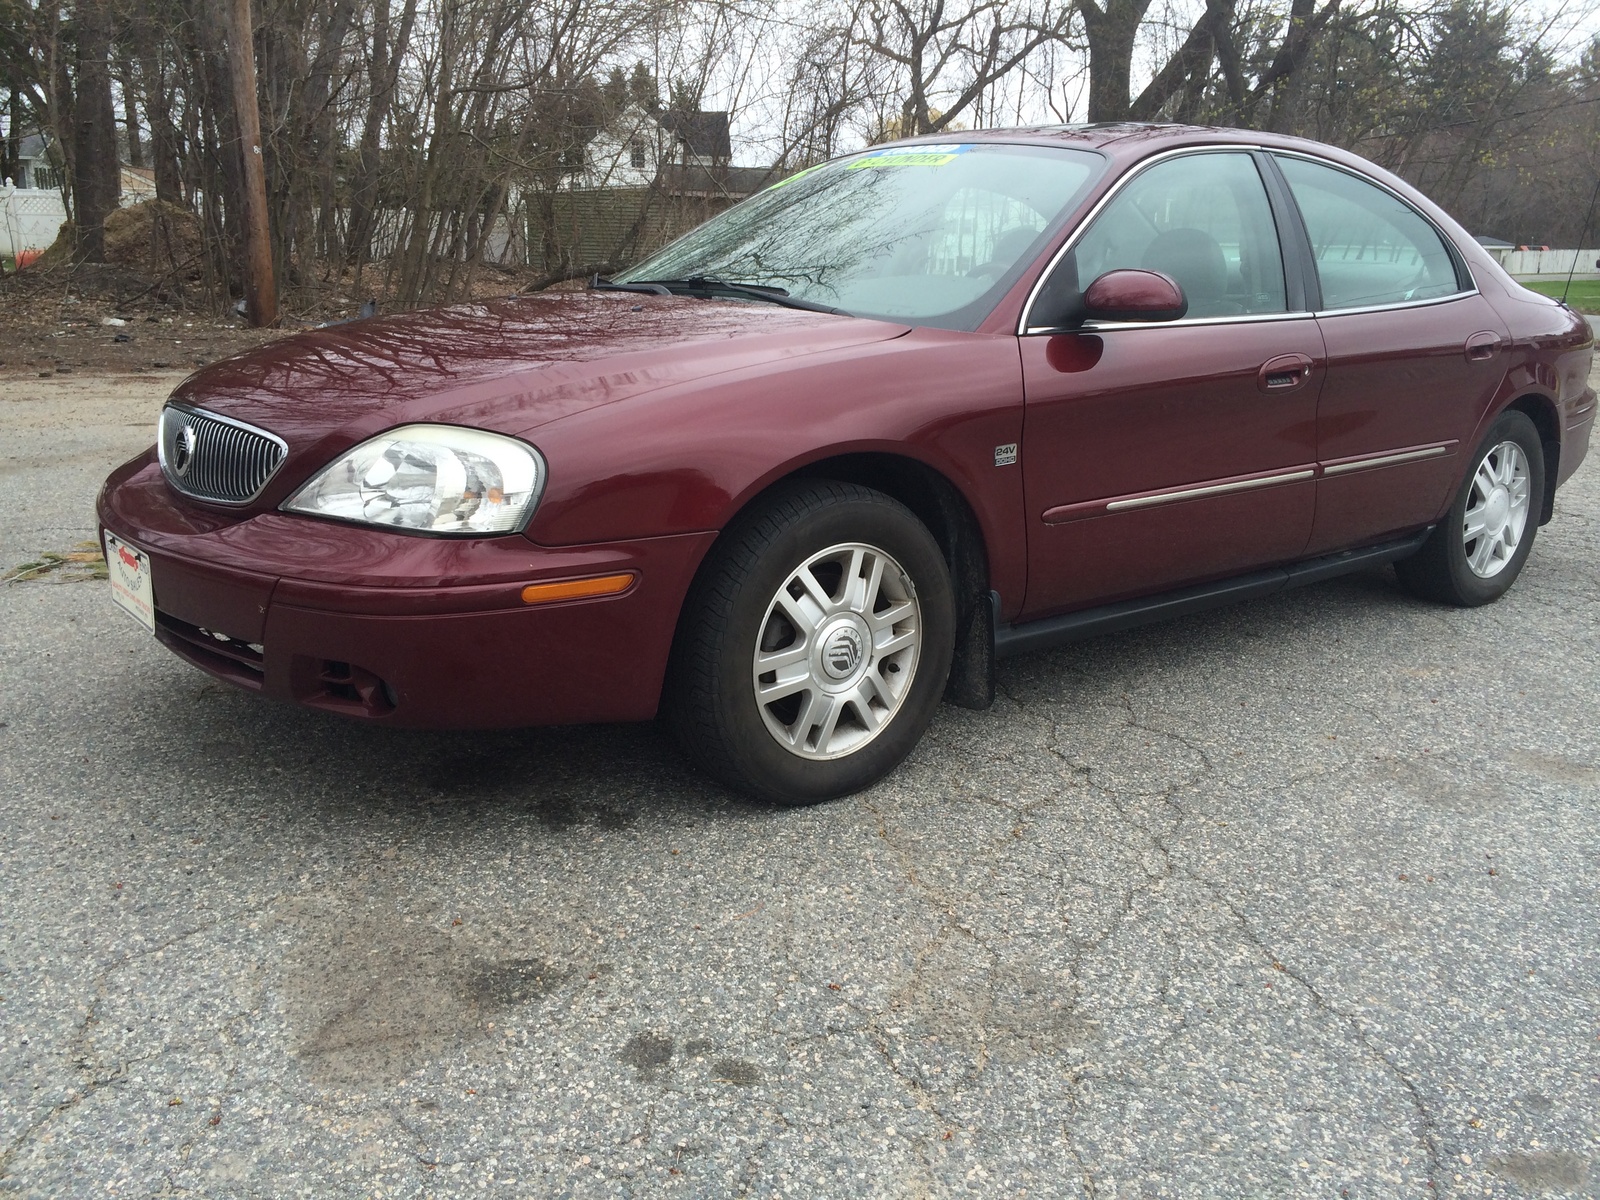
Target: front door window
<point x="1203" y="220"/>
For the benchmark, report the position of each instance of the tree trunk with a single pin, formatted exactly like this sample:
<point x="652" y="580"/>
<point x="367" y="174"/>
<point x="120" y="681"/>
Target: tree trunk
<point x="260" y="291"/>
<point x="155" y="78"/>
<point x="96" y="174"/>
<point x="1188" y="70"/>
<point x="130" y="112"/>
<point x="1111" y="32"/>
<point x="1280" y="83"/>
<point x="13" y="143"/>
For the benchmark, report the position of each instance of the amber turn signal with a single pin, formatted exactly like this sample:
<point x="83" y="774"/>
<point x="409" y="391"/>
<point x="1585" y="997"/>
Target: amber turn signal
<point x="578" y="589"/>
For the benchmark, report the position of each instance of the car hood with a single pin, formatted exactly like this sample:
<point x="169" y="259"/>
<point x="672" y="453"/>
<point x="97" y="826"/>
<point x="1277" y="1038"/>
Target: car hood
<point x="506" y="365"/>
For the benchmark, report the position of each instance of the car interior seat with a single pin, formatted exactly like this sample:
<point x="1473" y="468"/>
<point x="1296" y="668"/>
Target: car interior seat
<point x="1195" y="260"/>
<point x="1008" y="247"/>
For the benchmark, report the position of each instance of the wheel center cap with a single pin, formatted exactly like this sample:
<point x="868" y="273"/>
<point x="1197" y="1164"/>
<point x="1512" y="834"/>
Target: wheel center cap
<point x="842" y="652"/>
<point x="1498" y="510"/>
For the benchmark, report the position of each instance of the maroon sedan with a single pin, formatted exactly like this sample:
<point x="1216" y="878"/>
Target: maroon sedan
<point x="822" y="461"/>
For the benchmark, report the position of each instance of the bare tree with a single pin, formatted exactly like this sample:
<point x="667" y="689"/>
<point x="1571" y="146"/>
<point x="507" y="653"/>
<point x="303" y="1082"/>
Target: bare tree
<point x="410" y="145"/>
<point x="953" y="52"/>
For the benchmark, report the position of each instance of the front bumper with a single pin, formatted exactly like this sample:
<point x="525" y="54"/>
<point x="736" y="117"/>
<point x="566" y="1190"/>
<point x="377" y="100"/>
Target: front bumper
<point x="403" y="630"/>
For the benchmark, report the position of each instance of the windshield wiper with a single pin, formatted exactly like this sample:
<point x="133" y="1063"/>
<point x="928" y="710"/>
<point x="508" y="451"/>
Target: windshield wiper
<point x="701" y="286"/>
<point x="596" y="284"/>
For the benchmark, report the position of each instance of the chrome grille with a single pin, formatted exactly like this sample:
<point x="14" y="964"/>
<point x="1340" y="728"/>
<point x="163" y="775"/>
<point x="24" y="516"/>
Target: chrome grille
<point x="216" y="458"/>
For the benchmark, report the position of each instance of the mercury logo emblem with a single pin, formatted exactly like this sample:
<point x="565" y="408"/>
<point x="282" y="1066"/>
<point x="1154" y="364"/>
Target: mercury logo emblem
<point x="183" y="450"/>
<point x="843" y="652"/>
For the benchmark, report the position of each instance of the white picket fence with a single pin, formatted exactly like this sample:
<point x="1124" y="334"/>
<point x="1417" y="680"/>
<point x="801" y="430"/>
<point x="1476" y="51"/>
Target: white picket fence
<point x="30" y="218"/>
<point x="1549" y="262"/>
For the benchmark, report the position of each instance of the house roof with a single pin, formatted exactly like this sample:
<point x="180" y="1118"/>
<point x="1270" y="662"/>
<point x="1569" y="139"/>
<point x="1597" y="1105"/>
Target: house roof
<point x="732" y="182"/>
<point x="705" y="133"/>
<point x="1492" y="243"/>
<point x="31" y="146"/>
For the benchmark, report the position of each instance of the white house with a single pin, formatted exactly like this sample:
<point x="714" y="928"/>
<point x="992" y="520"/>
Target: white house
<point x="636" y="148"/>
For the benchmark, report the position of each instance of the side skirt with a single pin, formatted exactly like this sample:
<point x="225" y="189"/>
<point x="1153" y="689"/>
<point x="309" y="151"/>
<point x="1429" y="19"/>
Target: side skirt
<point x="1129" y="614"/>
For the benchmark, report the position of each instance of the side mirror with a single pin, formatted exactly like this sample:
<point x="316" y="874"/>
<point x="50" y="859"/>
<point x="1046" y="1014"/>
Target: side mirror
<point x="1130" y="295"/>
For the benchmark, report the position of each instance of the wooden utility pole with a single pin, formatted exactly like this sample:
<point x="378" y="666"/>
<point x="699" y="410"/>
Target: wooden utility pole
<point x="260" y="290"/>
<point x="96" y="176"/>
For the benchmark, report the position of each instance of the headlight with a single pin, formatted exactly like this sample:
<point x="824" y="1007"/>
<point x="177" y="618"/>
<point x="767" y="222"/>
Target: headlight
<point x="430" y="478"/>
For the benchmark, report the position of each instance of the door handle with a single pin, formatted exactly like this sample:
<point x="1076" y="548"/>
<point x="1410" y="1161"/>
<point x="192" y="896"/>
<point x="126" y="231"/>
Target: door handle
<point x="1483" y="345"/>
<point x="1283" y="373"/>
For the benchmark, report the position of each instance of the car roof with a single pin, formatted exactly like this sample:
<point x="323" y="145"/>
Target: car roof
<point x="1128" y="140"/>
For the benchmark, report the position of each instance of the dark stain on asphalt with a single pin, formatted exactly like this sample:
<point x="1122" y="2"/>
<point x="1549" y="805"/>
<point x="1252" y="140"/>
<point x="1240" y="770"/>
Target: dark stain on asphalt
<point x="500" y="775"/>
<point x="561" y="813"/>
<point x="513" y="981"/>
<point x="736" y="1071"/>
<point x="648" y="1054"/>
<point x="370" y="1000"/>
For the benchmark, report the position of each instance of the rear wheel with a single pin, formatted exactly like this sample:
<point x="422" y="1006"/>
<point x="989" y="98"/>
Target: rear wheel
<point x="816" y="645"/>
<point x="1477" y="551"/>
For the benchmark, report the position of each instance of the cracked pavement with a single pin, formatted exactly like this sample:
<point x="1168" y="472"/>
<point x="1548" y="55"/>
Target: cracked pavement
<point x="1294" y="899"/>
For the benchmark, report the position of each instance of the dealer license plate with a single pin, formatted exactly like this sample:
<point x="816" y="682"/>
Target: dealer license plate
<point x="129" y="569"/>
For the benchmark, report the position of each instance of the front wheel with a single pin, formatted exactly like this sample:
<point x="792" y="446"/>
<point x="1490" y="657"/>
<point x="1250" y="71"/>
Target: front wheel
<point x="815" y="646"/>
<point x="1475" y="554"/>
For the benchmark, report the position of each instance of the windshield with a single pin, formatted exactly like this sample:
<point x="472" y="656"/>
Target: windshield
<point x="922" y="233"/>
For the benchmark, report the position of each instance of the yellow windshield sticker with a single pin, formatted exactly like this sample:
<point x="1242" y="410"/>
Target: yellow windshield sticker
<point x="923" y="156"/>
<point x="905" y="159"/>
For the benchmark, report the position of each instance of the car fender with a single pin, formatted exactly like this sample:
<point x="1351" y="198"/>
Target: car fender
<point x="1553" y="391"/>
<point x="688" y="459"/>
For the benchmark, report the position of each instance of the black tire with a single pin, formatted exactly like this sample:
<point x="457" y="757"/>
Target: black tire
<point x="711" y="699"/>
<point x="1442" y="570"/>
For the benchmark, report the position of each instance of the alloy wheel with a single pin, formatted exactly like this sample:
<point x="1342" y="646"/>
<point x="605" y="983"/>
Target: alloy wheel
<point x="837" y="651"/>
<point x="1497" y="510"/>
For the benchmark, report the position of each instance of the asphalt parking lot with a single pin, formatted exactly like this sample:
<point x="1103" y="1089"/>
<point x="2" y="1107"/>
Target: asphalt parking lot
<point x="1301" y="898"/>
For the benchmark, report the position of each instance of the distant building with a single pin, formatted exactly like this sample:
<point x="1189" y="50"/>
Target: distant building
<point x="31" y="208"/>
<point x="1498" y="248"/>
<point x="138" y="184"/>
<point x="645" y="179"/>
<point x="628" y="153"/>
<point x="699" y="138"/>
<point x="35" y="171"/>
<point x="676" y="154"/>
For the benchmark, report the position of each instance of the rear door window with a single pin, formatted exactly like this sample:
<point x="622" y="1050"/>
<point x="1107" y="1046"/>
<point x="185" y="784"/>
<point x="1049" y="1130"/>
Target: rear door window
<point x="1371" y="247"/>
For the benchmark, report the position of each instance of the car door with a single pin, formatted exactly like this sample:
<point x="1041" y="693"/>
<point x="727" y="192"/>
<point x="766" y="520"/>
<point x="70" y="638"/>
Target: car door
<point x="1414" y="355"/>
<point x="1162" y="454"/>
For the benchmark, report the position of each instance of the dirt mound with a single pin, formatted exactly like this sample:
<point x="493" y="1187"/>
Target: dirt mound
<point x="153" y="237"/>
